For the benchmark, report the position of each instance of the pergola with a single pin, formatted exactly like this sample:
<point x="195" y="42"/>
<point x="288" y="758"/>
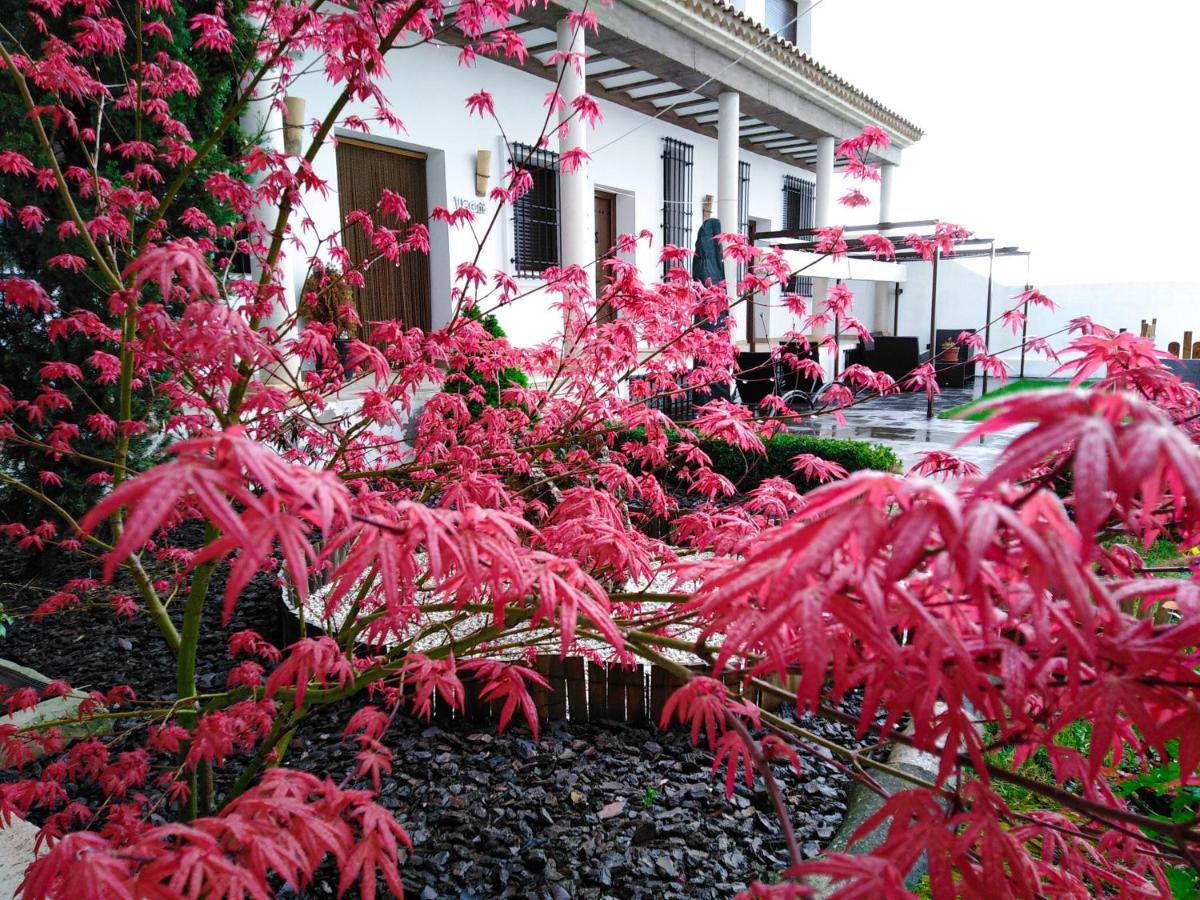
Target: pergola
<point x="801" y="248"/>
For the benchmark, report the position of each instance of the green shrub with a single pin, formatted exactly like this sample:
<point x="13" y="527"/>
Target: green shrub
<point x="1154" y="792"/>
<point x="747" y="471"/>
<point x="1158" y="793"/>
<point x="493" y="386"/>
<point x="24" y="344"/>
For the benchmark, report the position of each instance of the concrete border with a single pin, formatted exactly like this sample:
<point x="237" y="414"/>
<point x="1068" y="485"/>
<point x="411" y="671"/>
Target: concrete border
<point x="50" y="710"/>
<point x="18" y="839"/>
<point x="864" y="803"/>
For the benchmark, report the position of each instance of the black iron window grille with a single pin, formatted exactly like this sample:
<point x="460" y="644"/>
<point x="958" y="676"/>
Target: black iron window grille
<point x="743" y="198"/>
<point x="238" y="260"/>
<point x="535" y="214"/>
<point x="743" y="206"/>
<point x="677" y="195"/>
<point x="799" y="212"/>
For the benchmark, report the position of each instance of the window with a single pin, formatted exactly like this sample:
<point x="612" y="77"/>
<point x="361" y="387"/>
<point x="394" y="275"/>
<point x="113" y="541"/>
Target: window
<point x="238" y="260"/>
<point x="535" y="214"/>
<point x="799" y="212"/>
<point x="677" y="195"/>
<point x="799" y="203"/>
<point x="782" y="17"/>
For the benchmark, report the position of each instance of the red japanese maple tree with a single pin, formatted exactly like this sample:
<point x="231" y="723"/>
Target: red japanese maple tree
<point x="430" y="538"/>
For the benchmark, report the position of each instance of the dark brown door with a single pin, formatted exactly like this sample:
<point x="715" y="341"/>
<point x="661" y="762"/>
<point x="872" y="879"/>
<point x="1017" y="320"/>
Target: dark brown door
<point x="606" y="237"/>
<point x="392" y="290"/>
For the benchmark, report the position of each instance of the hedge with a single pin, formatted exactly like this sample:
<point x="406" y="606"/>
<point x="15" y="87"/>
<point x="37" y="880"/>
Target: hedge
<point x="748" y="470"/>
<point x="491" y="386"/>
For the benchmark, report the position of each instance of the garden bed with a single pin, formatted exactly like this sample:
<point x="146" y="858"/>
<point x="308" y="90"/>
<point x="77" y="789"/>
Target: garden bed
<point x="590" y="810"/>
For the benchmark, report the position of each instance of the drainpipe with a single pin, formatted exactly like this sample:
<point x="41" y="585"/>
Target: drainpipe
<point x="987" y="316"/>
<point x="262" y="121"/>
<point x="933" y="347"/>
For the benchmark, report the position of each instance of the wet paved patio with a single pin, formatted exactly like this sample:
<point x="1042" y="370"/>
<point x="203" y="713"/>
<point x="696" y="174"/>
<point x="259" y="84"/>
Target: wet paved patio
<point x="899" y="422"/>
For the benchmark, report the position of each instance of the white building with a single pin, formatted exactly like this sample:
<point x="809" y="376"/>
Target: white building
<point x="703" y="100"/>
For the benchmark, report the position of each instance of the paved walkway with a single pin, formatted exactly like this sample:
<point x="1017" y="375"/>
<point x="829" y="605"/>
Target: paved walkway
<point x="899" y="422"/>
<point x="17" y="840"/>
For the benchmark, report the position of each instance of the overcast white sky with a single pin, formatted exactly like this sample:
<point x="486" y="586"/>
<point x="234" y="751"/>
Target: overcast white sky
<point x="1044" y="119"/>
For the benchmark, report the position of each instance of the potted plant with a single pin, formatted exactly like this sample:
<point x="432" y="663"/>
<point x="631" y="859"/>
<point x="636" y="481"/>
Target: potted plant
<point x="327" y="298"/>
<point x="950" y="351"/>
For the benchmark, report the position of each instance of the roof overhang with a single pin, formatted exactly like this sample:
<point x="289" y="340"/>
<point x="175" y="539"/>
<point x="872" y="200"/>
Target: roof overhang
<point x="672" y="59"/>
<point x="684" y="43"/>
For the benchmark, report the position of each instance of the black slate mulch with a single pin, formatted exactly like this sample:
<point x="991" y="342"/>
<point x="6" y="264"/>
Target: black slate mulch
<point x="598" y="810"/>
<point x="608" y="810"/>
<point x="91" y="648"/>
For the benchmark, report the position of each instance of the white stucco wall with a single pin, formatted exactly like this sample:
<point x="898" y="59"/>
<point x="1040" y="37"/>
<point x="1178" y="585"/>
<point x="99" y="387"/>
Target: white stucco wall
<point x="430" y="94"/>
<point x="962" y="297"/>
<point x="1175" y="304"/>
<point x="430" y="91"/>
<point x="962" y="304"/>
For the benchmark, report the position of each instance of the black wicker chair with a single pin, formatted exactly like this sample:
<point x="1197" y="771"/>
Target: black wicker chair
<point x="796" y="385"/>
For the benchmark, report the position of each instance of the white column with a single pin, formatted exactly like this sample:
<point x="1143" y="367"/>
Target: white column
<point x="729" y="115"/>
<point x="824" y="192"/>
<point x="577" y="209"/>
<point x="263" y="120"/>
<point x="887" y="175"/>
<point x="885" y="292"/>
<point x="823" y="216"/>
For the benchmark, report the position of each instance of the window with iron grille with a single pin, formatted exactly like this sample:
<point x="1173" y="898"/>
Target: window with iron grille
<point x="237" y="260"/>
<point x="535" y="214"/>
<point x="799" y="212"/>
<point x="780" y="16"/>
<point x="677" y="195"/>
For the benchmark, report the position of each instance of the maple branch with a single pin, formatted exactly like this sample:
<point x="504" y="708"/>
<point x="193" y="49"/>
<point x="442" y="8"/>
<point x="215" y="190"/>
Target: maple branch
<point x="64" y="191"/>
<point x="222" y="127"/>
<point x="158" y="612"/>
<point x="777" y="799"/>
<point x="1051" y="792"/>
<point x="237" y="392"/>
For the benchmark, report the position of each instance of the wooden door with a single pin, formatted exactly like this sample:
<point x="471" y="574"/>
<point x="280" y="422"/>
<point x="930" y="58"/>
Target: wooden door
<point x="392" y="291"/>
<point x="606" y="237"/>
